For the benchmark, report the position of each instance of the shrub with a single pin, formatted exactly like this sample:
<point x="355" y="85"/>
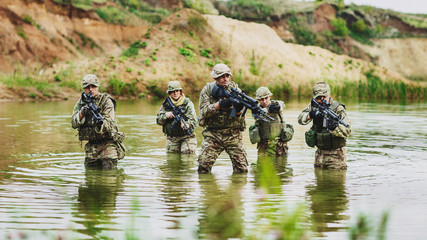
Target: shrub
<point x="340" y="27"/>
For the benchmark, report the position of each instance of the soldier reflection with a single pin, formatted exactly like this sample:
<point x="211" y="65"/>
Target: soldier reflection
<point x="176" y="170"/>
<point x="97" y="199"/>
<point x="221" y="213"/>
<point x="271" y="172"/>
<point x="328" y="200"/>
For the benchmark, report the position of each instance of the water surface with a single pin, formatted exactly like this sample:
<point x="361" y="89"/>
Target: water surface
<point x="45" y="190"/>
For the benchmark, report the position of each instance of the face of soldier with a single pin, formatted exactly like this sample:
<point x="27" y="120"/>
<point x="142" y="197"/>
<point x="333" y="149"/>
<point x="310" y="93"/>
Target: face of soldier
<point x="175" y="94"/>
<point x="223" y="80"/>
<point x="264" y="102"/>
<point x="320" y="98"/>
<point x="92" y="89"/>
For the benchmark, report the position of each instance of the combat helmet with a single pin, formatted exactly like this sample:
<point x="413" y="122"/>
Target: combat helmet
<point x="321" y="89"/>
<point x="263" y="92"/>
<point x="90" y="79"/>
<point x="219" y="70"/>
<point x="173" y="86"/>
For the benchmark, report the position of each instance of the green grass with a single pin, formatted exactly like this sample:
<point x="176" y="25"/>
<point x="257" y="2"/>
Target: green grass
<point x="374" y="88"/>
<point x="119" y="88"/>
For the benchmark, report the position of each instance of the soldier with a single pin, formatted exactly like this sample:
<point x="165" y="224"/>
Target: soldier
<point x="329" y="136"/>
<point x="221" y="132"/>
<point x="273" y="135"/>
<point x="178" y="139"/>
<point x="104" y="145"/>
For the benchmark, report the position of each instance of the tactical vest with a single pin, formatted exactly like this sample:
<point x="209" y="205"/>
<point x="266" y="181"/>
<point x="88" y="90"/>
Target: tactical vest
<point x="177" y="130"/>
<point x="272" y="129"/>
<point x="88" y="131"/>
<point x="326" y="140"/>
<point x="223" y="120"/>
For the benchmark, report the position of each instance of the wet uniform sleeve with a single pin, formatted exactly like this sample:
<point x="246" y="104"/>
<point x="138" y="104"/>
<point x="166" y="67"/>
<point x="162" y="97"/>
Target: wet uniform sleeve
<point x="206" y="105"/>
<point x="109" y="118"/>
<point x="75" y="118"/>
<point x="302" y="118"/>
<point x="190" y="113"/>
<point x="282" y="108"/>
<point x="341" y="130"/>
<point x="161" y="116"/>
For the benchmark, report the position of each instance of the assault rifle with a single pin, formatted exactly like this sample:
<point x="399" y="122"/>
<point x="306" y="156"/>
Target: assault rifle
<point x="240" y="98"/>
<point x="179" y="116"/>
<point x="95" y="117"/>
<point x="328" y="114"/>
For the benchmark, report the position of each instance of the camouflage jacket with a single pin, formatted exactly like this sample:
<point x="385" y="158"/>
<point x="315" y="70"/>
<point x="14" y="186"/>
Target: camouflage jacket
<point x="271" y="129"/>
<point x="209" y="117"/>
<point x="341" y="130"/>
<point x="107" y="107"/>
<point x="187" y="108"/>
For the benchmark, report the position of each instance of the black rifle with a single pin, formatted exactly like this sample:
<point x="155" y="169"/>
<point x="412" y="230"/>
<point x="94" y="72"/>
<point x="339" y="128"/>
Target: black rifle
<point x="179" y="116"/>
<point x="328" y="114"/>
<point x="95" y="117"/>
<point x="240" y="98"/>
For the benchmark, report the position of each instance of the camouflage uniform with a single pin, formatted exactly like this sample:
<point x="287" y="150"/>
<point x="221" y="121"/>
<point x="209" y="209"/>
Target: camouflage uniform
<point x="271" y="143"/>
<point x="221" y="132"/>
<point x="104" y="145"/>
<point x="329" y="158"/>
<point x="178" y="140"/>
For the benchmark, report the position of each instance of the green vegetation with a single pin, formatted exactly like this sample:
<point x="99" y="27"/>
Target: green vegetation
<point x="250" y="9"/>
<point x="340" y="27"/>
<point x="118" y="88"/>
<point x="134" y="48"/>
<point x="376" y="89"/>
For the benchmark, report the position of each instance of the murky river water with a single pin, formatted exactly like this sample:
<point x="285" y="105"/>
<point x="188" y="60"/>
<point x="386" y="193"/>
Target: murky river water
<point x="45" y="190"/>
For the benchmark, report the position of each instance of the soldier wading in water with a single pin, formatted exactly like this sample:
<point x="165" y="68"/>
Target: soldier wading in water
<point x="272" y="136"/>
<point x="221" y="132"/>
<point x="180" y="137"/>
<point x="328" y="135"/>
<point x="94" y="117"/>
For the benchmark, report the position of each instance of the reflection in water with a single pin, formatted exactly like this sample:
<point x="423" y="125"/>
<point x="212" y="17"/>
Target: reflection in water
<point x="221" y="213"/>
<point x="271" y="172"/>
<point x="328" y="200"/>
<point x="97" y="199"/>
<point x="175" y="173"/>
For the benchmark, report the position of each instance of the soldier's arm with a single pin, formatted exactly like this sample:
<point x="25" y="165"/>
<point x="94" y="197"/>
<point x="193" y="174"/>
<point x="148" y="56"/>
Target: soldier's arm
<point x="341" y="130"/>
<point x="282" y="108"/>
<point x="109" y="115"/>
<point x="190" y="113"/>
<point x="161" y="116"/>
<point x="75" y="118"/>
<point x="302" y="118"/>
<point x="206" y="105"/>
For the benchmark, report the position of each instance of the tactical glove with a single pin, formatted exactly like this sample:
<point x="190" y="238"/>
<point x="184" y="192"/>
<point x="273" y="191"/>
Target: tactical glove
<point x="85" y="110"/>
<point x="274" y="108"/>
<point x="239" y="107"/>
<point x="315" y="114"/>
<point x="332" y="125"/>
<point x="218" y="92"/>
<point x="225" y="103"/>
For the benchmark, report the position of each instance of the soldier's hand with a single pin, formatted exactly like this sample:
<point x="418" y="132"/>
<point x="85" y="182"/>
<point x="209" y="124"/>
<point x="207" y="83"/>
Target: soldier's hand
<point x="332" y="125"/>
<point x="225" y="103"/>
<point x="218" y="92"/>
<point x="85" y="110"/>
<point x="239" y="107"/>
<point x="273" y="108"/>
<point x="170" y="115"/>
<point x="315" y="113"/>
